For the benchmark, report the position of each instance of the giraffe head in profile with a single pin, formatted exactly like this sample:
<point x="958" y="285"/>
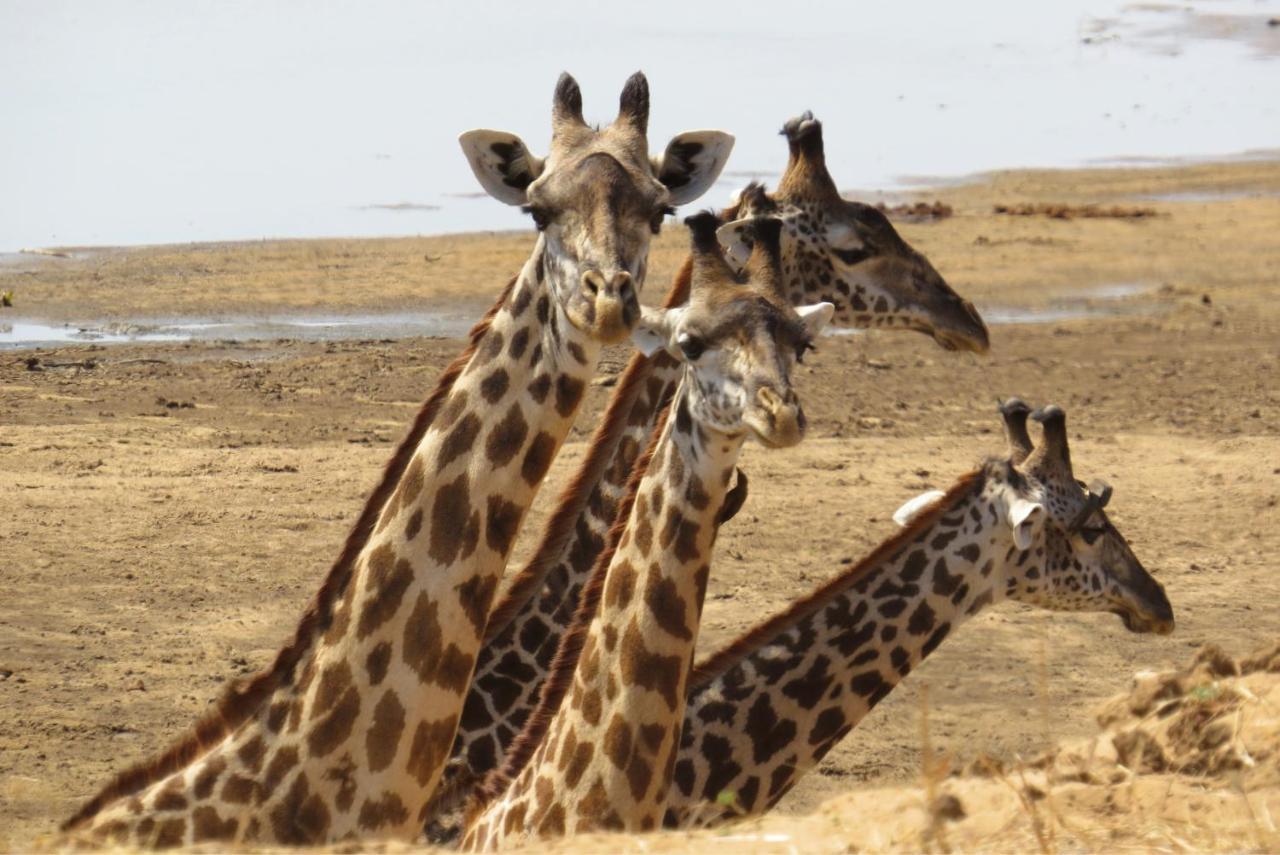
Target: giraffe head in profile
<point x="597" y="198"/>
<point x="1064" y="553"/>
<point x="738" y="339"/>
<point x="1087" y="564"/>
<point x="848" y="253"/>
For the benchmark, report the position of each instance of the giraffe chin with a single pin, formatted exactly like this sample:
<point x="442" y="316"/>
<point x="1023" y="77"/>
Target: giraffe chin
<point x="957" y="342"/>
<point x="1142" y="624"/>
<point x="784" y="435"/>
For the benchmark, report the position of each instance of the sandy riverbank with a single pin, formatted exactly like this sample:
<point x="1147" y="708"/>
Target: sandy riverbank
<point x="151" y="549"/>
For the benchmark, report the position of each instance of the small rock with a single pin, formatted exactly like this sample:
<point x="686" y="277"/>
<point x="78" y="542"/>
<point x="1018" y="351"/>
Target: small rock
<point x="948" y="807"/>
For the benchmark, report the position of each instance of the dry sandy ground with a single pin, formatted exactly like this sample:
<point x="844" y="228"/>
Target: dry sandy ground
<point x="150" y="552"/>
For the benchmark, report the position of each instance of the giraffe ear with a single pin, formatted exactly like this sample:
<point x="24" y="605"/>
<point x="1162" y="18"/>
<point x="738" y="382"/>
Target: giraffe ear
<point x="816" y="317"/>
<point x="735" y="237"/>
<point x="907" y="514"/>
<point x="653" y="332"/>
<point x="1024" y="518"/>
<point x="692" y="163"/>
<point x="502" y="164"/>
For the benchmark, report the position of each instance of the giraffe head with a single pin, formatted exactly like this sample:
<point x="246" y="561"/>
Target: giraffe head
<point x="737" y="339"/>
<point x="849" y="253"/>
<point x="597" y="198"/>
<point x="1064" y="552"/>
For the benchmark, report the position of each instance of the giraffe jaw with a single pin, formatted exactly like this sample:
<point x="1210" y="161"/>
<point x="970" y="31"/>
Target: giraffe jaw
<point x="1143" y="623"/>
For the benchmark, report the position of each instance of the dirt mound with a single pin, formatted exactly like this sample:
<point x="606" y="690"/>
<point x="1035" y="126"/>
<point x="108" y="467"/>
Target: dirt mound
<point x="1216" y="717"/>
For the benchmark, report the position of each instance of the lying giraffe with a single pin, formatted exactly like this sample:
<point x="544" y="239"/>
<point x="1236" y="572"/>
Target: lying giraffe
<point x="598" y="753"/>
<point x="841" y="252"/>
<point x="346" y="734"/>
<point x="766" y="709"/>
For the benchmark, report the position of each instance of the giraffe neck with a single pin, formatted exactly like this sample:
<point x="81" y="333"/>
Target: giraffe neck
<point x="526" y="627"/>
<point x="355" y="743"/>
<point x="528" y="624"/>
<point x="605" y="759"/>
<point x="766" y="710"/>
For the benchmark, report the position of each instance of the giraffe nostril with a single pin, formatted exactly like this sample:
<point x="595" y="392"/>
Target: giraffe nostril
<point x="626" y="290"/>
<point x="768" y="399"/>
<point x="591" y="282"/>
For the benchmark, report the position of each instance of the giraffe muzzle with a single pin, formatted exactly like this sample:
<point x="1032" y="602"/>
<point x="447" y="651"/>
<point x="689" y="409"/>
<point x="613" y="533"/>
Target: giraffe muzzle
<point x="776" y="422"/>
<point x="612" y="307"/>
<point x="1147" y="610"/>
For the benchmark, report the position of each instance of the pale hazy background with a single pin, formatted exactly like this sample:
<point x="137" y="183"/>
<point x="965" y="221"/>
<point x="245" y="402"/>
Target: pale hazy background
<point x="150" y="122"/>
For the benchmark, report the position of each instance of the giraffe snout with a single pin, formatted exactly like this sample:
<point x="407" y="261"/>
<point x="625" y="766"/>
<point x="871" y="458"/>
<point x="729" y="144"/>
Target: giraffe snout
<point x="614" y="306"/>
<point x="778" y="420"/>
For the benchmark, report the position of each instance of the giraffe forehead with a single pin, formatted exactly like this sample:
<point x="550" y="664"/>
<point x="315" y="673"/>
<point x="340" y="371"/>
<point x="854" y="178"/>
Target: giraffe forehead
<point x="598" y="178"/>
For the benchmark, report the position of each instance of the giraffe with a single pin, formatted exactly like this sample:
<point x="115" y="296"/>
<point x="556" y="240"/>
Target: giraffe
<point x="598" y="752"/>
<point x="845" y="253"/>
<point x="764" y="710"/>
<point x="345" y="735"/>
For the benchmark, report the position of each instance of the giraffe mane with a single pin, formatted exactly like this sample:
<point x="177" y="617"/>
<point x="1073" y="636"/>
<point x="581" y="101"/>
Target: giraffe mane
<point x="569" y="506"/>
<point x="725" y="658"/>
<point x="565" y="663"/>
<point x="243" y="697"/>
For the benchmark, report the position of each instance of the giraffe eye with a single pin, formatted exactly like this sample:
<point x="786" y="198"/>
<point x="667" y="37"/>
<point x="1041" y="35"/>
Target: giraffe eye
<point x="852" y="256"/>
<point x="801" y="348"/>
<point x="691" y="346"/>
<point x="541" y="216"/>
<point x="1092" y="533"/>
<point x="655" y="224"/>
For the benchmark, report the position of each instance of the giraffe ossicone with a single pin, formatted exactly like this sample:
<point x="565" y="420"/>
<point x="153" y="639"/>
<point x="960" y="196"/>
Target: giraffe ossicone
<point x="598" y="753"/>
<point x="346" y="734"/>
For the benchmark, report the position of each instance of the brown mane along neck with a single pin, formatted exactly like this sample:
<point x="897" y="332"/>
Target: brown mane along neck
<point x="722" y="660"/>
<point x="242" y="698"/>
<point x="560" y="678"/>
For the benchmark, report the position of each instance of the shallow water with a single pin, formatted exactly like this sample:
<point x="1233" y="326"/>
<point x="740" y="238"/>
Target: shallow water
<point x="24" y="334"/>
<point x="1098" y="301"/>
<point x="1206" y="196"/>
<point x="19" y="334"/>
<point x="131" y="122"/>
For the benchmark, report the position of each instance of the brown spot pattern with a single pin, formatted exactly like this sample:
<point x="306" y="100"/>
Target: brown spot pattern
<point x="430" y="748"/>
<point x="383" y="737"/>
<point x="475" y="596"/>
<point x="454" y="526"/>
<point x="459" y="441"/>
<point x="662" y="596"/>
<point x="568" y="394"/>
<point x="336" y="726"/>
<point x="377" y="661"/>
<point x="388" y="579"/>
<point x="502" y="523"/>
<point x="506" y="438"/>
<point x="537" y="459"/>
<point x="207" y="825"/>
<point x="388" y="810"/>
